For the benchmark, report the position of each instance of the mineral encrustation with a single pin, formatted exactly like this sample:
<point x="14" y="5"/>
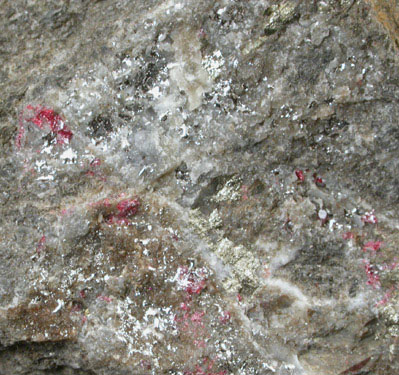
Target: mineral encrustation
<point x="199" y="187"/>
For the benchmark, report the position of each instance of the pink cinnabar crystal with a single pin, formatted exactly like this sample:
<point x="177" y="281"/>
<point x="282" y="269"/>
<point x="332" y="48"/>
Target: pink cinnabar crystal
<point x="370" y="218"/>
<point x="318" y="180"/>
<point x="225" y="317"/>
<point x="348" y="236"/>
<point x="45" y="119"/>
<point x="300" y="175"/>
<point x="372" y="245"/>
<point x="128" y="207"/>
<point x="372" y="277"/>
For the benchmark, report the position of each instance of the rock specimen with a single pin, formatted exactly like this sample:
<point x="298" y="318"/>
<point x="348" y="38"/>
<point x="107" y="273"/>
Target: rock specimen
<point x="199" y="187"/>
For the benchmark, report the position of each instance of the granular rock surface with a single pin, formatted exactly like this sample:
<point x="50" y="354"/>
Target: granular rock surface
<point x="197" y="187"/>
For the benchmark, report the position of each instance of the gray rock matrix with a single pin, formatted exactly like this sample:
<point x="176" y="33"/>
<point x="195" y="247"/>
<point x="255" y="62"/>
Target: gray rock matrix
<point x="199" y="187"/>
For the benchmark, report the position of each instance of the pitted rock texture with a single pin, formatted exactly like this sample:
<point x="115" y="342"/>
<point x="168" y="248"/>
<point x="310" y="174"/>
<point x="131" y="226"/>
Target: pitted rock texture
<point x="199" y="187"/>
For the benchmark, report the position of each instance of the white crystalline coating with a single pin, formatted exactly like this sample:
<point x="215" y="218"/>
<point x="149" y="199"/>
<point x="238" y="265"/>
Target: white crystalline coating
<point x="59" y="306"/>
<point x="145" y="169"/>
<point x="46" y="178"/>
<point x="155" y="92"/>
<point x="213" y="63"/>
<point x="151" y="312"/>
<point x="322" y="214"/>
<point x="221" y="11"/>
<point x="124" y="142"/>
<point x="184" y="131"/>
<point x="128" y="62"/>
<point x="47" y="149"/>
<point x="269" y="367"/>
<point x="69" y="154"/>
<point x="40" y="163"/>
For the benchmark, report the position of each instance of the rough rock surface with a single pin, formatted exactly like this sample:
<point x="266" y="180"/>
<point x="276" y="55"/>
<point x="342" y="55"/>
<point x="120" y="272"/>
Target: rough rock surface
<point x="199" y="187"/>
